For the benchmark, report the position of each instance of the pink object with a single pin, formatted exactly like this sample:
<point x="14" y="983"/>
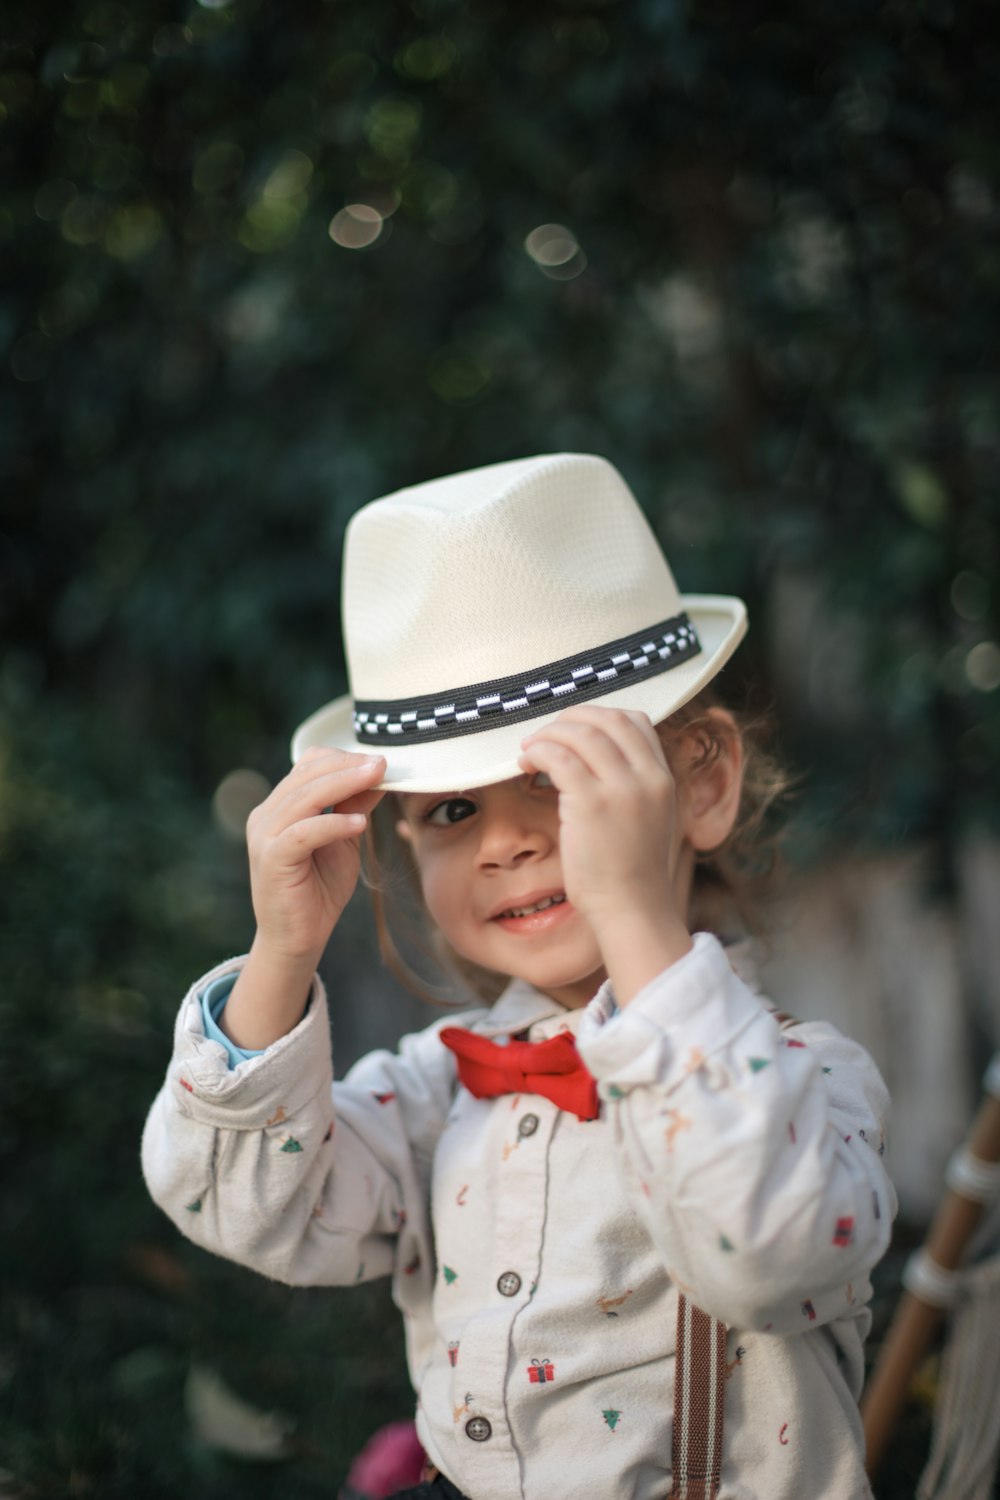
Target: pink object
<point x="391" y="1459"/>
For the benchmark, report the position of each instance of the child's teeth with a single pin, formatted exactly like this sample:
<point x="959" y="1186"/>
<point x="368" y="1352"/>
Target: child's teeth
<point x="526" y="911"/>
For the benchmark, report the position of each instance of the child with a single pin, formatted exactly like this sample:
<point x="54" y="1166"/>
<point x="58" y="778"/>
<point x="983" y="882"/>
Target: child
<point x="629" y="1211"/>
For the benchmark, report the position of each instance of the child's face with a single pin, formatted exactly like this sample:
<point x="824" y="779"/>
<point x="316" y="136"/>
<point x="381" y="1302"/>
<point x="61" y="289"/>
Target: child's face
<point x="485" y="853"/>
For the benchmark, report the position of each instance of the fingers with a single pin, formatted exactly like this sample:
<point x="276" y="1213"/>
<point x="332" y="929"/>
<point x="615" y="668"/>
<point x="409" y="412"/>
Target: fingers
<point x="361" y="802"/>
<point x="300" y="840"/>
<point x="569" y="772"/>
<point x="608" y="741"/>
<point x="322" y="779"/>
<point x="322" y="759"/>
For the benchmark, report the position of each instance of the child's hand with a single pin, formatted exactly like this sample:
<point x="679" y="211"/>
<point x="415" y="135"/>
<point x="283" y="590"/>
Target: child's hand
<point x="304" y="860"/>
<point x="620" y="833"/>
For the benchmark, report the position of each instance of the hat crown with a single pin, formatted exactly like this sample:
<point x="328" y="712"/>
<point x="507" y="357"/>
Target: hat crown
<point x="485" y="574"/>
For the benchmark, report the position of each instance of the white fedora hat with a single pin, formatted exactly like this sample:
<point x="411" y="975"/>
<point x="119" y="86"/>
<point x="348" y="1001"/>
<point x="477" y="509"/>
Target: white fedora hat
<point x="478" y="606"/>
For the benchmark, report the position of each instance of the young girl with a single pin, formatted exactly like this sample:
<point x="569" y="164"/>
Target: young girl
<point x="629" y="1211"/>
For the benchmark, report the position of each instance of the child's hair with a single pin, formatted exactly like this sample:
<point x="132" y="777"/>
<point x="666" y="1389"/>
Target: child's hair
<point x="731" y="888"/>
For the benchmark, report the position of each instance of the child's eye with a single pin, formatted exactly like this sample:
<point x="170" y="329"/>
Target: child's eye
<point x="451" y="810"/>
<point x="543" y="779"/>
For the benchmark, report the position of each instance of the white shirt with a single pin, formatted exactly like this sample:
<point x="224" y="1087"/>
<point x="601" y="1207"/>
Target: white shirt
<point x="536" y="1257"/>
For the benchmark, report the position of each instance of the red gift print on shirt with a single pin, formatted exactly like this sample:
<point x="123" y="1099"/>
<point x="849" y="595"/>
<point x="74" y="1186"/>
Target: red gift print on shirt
<point x="540" y="1370"/>
<point x="844" y="1232"/>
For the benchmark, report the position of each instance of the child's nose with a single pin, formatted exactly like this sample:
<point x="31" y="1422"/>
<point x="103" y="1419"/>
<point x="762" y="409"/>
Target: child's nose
<point x="511" y="835"/>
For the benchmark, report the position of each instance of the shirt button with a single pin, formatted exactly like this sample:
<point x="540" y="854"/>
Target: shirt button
<point x="509" y="1284"/>
<point x="478" y="1429"/>
<point x="528" y="1125"/>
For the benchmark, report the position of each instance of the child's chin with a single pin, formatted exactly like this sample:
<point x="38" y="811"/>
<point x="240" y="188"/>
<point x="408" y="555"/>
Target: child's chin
<point x="571" y="987"/>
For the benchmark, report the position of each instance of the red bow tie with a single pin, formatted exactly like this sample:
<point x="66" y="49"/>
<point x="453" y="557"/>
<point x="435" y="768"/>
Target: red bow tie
<point x="552" y="1068"/>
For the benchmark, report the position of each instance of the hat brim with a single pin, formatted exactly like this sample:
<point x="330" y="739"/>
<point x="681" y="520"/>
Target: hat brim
<point x="472" y="760"/>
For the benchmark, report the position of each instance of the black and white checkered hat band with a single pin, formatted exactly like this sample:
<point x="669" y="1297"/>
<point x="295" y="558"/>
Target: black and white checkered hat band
<point x="485" y="705"/>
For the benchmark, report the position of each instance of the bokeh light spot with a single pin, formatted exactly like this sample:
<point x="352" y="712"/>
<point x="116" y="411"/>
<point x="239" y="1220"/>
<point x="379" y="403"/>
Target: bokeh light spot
<point x="269" y="223"/>
<point x="255" y="313"/>
<point x="356" y="226"/>
<point x="133" y="231"/>
<point x="815" y="253"/>
<point x="921" y="493"/>
<point x="982" y="666"/>
<point x="427" y="58"/>
<point x="210" y="22"/>
<point x="83" y="222"/>
<point x="555" y="251"/>
<point x="551" y="245"/>
<point x="124" y="88"/>
<point x="458" y="376"/>
<point x="860" y="108"/>
<point x="290" y="177"/>
<point x="971" y="194"/>
<point x="688" y="315"/>
<point x="235" y="798"/>
<point x="430" y="189"/>
<point x="391" y="127"/>
<point x="384" y="198"/>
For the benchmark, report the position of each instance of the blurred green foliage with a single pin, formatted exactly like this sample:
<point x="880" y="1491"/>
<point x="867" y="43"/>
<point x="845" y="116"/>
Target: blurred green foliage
<point x="266" y="262"/>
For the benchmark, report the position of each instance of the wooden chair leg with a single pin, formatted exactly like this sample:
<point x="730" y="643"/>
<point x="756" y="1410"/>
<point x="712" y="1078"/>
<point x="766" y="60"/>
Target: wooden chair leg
<point x="931" y="1276"/>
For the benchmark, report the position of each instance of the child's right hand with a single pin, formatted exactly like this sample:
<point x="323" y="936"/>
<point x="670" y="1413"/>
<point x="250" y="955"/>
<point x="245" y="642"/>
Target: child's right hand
<point x="304" y="842"/>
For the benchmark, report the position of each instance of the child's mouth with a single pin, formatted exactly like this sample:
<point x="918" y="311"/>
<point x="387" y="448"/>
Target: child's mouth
<point x="535" y="916"/>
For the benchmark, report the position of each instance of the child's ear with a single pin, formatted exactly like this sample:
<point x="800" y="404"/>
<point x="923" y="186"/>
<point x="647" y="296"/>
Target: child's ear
<point x="404" y="830"/>
<point x="710" y="781"/>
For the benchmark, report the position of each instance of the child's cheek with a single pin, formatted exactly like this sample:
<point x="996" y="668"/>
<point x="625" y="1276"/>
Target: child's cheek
<point x="434" y="890"/>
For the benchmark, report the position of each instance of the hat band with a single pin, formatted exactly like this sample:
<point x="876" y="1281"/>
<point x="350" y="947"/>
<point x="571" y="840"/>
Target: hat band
<point x="485" y="705"/>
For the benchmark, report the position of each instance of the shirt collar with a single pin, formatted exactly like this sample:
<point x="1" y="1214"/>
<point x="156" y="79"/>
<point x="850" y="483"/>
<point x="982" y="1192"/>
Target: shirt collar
<point x="520" y="1007"/>
<point x="744" y="955"/>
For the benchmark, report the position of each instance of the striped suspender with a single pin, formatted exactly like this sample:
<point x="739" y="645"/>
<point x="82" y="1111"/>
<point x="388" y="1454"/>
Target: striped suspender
<point x="699" y="1391"/>
<point x="699" y="1395"/>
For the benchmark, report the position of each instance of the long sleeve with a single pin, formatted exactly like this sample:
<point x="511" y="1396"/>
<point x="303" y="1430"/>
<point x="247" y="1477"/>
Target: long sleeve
<point x="271" y="1164"/>
<point x="760" y="1151"/>
<point x="214" y="999"/>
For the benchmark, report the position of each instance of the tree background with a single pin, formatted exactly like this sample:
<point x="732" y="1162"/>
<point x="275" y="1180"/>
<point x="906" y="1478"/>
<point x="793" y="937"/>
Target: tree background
<point x="264" y="263"/>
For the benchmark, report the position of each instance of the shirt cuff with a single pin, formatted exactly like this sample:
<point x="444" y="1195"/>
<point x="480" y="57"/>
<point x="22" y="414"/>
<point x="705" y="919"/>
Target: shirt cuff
<point x="213" y="1003"/>
<point x="261" y="1087"/>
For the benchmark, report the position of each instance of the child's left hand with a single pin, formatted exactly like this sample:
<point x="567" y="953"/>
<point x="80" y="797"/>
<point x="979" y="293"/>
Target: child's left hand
<point x="620" y="834"/>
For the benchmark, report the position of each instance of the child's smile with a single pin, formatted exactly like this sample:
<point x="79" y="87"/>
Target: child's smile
<point x="492" y="881"/>
<point x="534" y="913"/>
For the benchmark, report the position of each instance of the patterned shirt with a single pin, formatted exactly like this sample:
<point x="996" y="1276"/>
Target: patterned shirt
<point x="536" y="1257"/>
